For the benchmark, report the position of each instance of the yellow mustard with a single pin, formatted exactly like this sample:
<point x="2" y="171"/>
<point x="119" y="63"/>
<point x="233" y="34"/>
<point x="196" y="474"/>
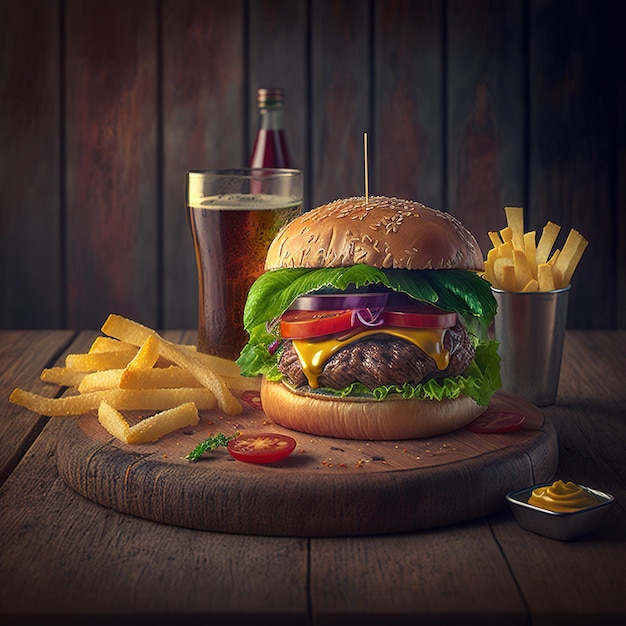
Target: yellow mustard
<point x="562" y="497"/>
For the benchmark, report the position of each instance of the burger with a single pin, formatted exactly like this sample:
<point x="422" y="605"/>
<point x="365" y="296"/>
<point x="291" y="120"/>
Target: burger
<point x="371" y="322"/>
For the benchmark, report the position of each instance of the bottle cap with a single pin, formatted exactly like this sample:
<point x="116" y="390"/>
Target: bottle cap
<point x="270" y="97"/>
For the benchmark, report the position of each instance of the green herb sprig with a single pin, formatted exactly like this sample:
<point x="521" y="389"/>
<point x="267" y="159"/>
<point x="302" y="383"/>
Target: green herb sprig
<point x="209" y="444"/>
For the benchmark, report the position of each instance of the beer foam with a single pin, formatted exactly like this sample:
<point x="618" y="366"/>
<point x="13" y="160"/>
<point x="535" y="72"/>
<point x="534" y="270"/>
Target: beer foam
<point x="246" y="202"/>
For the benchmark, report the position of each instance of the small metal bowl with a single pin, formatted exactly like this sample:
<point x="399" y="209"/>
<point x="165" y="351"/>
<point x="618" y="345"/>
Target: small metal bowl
<point x="558" y="525"/>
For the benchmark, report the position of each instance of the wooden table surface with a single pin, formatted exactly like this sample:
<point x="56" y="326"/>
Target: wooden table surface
<point x="63" y="556"/>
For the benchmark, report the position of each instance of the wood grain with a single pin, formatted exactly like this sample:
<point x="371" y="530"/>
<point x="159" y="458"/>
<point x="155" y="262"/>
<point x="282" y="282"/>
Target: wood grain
<point x="328" y="487"/>
<point x="104" y="106"/>
<point x="31" y="216"/>
<point x="340" y="98"/>
<point x="485" y="104"/>
<point x="112" y="161"/>
<point x="571" y="141"/>
<point x="64" y="558"/>
<point x="402" y="575"/>
<point x="23" y="355"/>
<point x="112" y="567"/>
<point x="589" y="419"/>
<point x="407" y="150"/>
<point x="600" y="402"/>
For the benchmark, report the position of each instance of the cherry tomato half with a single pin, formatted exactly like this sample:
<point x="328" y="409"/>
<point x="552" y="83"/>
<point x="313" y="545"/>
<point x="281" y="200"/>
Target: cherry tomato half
<point x="496" y="422"/>
<point x="419" y="316"/>
<point x="261" y="448"/>
<point x="304" y="324"/>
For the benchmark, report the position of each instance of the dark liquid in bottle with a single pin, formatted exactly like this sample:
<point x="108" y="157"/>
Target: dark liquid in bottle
<point x="270" y="150"/>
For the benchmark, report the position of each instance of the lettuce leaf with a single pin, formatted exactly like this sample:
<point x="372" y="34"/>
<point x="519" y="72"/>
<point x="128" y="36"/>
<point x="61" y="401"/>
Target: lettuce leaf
<point x="461" y="291"/>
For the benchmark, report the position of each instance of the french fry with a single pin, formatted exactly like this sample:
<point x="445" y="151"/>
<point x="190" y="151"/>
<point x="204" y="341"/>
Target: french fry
<point x="147" y="355"/>
<point x="530" y="249"/>
<point x="573" y="263"/>
<point x="136" y="334"/>
<point x="567" y="261"/>
<point x="163" y="423"/>
<point x="223" y="367"/>
<point x="62" y="376"/>
<point x="113" y="422"/>
<point x="496" y="240"/>
<point x="157" y="377"/>
<point x="546" y="242"/>
<point x="554" y="257"/>
<point x="108" y="344"/>
<point x="532" y="285"/>
<point x="505" y="251"/>
<point x="122" y="372"/>
<point x="517" y="262"/>
<point x="545" y="278"/>
<point x="523" y="275"/>
<point x="121" y="399"/>
<point x="229" y="372"/>
<point x="127" y="330"/>
<point x="149" y="429"/>
<point x="97" y="381"/>
<point x="243" y="383"/>
<point x="133" y="332"/>
<point x="498" y="267"/>
<point x="170" y="377"/>
<point x="508" y="278"/>
<point x="204" y="375"/>
<point x="489" y="274"/>
<point x="96" y="361"/>
<point x="515" y="221"/>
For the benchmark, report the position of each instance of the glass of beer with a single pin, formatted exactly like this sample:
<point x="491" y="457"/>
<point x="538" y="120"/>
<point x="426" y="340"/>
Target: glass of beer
<point x="234" y="216"/>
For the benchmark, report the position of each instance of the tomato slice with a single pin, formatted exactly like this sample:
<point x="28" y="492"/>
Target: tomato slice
<point x="496" y="422"/>
<point x="253" y="398"/>
<point x="261" y="448"/>
<point x="301" y="324"/>
<point x="419" y="316"/>
<point x="305" y="324"/>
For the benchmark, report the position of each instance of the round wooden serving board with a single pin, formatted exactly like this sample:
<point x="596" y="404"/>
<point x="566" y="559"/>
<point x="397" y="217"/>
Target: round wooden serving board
<point x="327" y="487"/>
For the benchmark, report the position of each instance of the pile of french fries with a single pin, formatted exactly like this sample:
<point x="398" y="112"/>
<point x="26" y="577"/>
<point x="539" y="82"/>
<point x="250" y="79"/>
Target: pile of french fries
<point x="517" y="262"/>
<point x="133" y="368"/>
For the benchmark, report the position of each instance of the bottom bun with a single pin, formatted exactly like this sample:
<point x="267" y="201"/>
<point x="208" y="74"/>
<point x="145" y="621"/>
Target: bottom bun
<point x="373" y="420"/>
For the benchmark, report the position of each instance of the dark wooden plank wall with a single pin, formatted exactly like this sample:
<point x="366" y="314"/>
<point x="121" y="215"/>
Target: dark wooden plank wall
<point x="470" y="105"/>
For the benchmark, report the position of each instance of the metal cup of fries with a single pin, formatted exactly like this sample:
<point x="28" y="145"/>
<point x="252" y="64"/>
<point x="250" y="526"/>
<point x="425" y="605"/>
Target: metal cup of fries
<point x="531" y="284"/>
<point x="530" y="327"/>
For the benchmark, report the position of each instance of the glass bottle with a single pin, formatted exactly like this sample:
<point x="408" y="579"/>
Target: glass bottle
<point x="270" y="145"/>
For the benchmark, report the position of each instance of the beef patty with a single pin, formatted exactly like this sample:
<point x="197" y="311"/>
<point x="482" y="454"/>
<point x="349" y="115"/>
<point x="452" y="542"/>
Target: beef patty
<point x="382" y="360"/>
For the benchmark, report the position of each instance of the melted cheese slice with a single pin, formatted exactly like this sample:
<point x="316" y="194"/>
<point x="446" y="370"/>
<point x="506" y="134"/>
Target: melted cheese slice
<point x="314" y="353"/>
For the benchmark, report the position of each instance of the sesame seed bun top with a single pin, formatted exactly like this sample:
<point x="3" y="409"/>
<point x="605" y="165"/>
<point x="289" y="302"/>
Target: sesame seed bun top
<point x="383" y="232"/>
